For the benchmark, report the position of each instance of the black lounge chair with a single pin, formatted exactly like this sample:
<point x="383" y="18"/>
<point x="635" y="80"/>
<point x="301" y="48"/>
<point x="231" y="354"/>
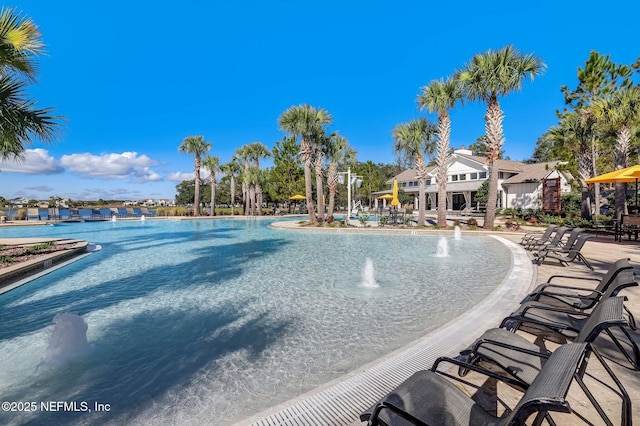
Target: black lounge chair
<point x="559" y="324"/>
<point x="531" y="238"/>
<point x="551" y="242"/>
<point x="428" y="398"/>
<point x="520" y="359"/>
<point x="575" y="296"/>
<point x="566" y="254"/>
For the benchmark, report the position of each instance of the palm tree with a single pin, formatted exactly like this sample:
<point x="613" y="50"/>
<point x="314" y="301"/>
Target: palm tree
<point x="213" y="165"/>
<point x="256" y="151"/>
<point x="231" y="169"/>
<point x="413" y="140"/>
<point x="621" y="111"/>
<point x="575" y="134"/>
<point x="20" y="121"/>
<point x="242" y="157"/>
<point x="440" y="96"/>
<point x="197" y="146"/>
<point x="305" y="121"/>
<point x="338" y="152"/>
<point x="487" y="77"/>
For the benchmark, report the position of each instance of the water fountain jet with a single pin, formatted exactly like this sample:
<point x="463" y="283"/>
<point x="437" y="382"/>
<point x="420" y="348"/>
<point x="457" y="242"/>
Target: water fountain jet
<point x="68" y="340"/>
<point x="443" y="247"/>
<point x="368" y="275"/>
<point x="457" y="234"/>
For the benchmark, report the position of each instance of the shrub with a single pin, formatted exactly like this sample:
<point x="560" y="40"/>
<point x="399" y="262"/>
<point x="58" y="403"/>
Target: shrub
<point x="472" y="222"/>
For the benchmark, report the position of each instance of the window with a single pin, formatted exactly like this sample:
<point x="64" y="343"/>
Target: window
<point x="404" y="184"/>
<point x="410" y="183"/>
<point x="463" y="177"/>
<point x="428" y="181"/>
<point x="500" y="175"/>
<point x="454" y="178"/>
<point x="483" y="175"/>
<point x="473" y="176"/>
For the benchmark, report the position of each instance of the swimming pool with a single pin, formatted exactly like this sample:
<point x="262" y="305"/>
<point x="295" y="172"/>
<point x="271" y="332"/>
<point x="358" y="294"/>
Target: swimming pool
<point x="212" y="321"/>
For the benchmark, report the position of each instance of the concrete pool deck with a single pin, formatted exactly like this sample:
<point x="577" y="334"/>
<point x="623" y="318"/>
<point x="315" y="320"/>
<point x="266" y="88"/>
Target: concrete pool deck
<point x="359" y="389"/>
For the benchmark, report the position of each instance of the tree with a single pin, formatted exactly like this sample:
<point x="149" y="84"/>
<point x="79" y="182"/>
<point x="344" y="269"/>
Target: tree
<point x="197" y="146"/>
<point x="415" y="140"/>
<point x="256" y="151"/>
<point x="185" y="192"/>
<point x="305" y="121"/>
<point x="440" y="96"/>
<point x="599" y="78"/>
<point x="487" y="77"/>
<point x="287" y="175"/>
<point x="621" y="111"/>
<point x="20" y="121"/>
<point x="213" y="165"/>
<point x="231" y="169"/>
<point x="338" y="153"/>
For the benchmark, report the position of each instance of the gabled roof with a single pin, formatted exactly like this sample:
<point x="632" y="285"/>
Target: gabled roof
<point x="533" y="172"/>
<point x="503" y="165"/>
<point x="407" y="176"/>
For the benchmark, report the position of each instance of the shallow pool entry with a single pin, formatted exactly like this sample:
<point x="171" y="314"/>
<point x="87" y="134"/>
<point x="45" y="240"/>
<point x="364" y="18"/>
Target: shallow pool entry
<point x="213" y="321"/>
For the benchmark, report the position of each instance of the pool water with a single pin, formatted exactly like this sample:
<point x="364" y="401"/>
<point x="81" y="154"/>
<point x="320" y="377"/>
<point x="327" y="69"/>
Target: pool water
<point x="208" y="322"/>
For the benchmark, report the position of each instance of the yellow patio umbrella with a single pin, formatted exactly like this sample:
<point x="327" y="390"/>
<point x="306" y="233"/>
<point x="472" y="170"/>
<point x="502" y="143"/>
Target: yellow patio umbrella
<point x="297" y="197"/>
<point x="395" y="201"/>
<point x="387" y="197"/>
<point x="628" y="174"/>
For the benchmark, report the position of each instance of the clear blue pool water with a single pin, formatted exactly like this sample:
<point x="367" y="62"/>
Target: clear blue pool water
<point x="208" y="322"/>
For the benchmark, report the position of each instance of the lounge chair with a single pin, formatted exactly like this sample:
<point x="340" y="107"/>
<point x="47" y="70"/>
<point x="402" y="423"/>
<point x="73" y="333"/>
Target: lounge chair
<point x="537" y="237"/>
<point x="520" y="360"/>
<point x="557" y="324"/>
<point x="74" y="215"/>
<point x="96" y="214"/>
<point x="551" y="242"/>
<point x="53" y="214"/>
<point x="150" y="213"/>
<point x="114" y="211"/>
<point x="131" y="212"/>
<point x="566" y="254"/>
<point x="577" y="297"/>
<point x="33" y="214"/>
<point x="428" y="398"/>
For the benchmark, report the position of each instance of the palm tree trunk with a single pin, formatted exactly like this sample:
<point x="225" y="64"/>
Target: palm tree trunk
<point x="332" y="183"/>
<point x="444" y="131"/>
<point x="422" y="201"/>
<point x="232" y="185"/>
<point x="623" y="140"/>
<point x="252" y="198"/>
<point x="213" y="197"/>
<point x="494" y="133"/>
<point x="259" y="198"/>
<point x="305" y="157"/>
<point x="585" y="171"/>
<point x="319" y="185"/>
<point x="196" y="200"/>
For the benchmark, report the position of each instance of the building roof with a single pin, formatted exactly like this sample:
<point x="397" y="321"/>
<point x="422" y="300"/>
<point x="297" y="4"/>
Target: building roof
<point x="532" y="173"/>
<point x="503" y="165"/>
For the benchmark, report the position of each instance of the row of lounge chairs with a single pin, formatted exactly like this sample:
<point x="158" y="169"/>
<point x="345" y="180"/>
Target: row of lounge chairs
<point x="96" y="214"/>
<point x="560" y="243"/>
<point x="565" y="314"/>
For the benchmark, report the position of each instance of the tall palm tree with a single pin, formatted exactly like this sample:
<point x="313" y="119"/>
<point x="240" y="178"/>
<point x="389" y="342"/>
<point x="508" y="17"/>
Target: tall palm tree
<point x="212" y="163"/>
<point x="305" y="121"/>
<point x="621" y="111"/>
<point x="413" y="140"/>
<point x="20" y="121"/>
<point x="231" y="169"/>
<point x="440" y="96"/>
<point x="242" y="156"/>
<point x="487" y="77"/>
<point x="575" y="134"/>
<point x="338" y="153"/>
<point x="256" y="151"/>
<point x="197" y="146"/>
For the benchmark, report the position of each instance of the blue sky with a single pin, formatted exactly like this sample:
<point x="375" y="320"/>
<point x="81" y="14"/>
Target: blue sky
<point x="134" y="78"/>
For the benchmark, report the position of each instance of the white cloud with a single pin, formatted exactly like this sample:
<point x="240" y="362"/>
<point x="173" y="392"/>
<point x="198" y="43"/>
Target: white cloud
<point x="127" y="165"/>
<point x="180" y="176"/>
<point x="36" y="162"/>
